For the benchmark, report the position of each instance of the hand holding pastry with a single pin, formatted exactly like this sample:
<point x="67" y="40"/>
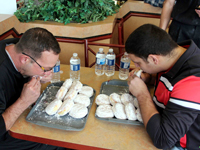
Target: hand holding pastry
<point x="31" y="91"/>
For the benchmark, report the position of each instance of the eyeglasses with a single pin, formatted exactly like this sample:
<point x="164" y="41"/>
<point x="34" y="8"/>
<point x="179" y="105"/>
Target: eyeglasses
<point x="38" y="63"/>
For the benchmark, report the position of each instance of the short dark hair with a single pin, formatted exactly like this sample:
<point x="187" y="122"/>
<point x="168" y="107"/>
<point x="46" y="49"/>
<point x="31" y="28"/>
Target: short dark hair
<point x="149" y="39"/>
<point x="37" y="40"/>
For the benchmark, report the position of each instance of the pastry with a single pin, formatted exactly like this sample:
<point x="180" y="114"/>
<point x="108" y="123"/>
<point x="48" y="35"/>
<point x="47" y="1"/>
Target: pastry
<point x="138" y="115"/>
<point x="82" y="99"/>
<point x="67" y="83"/>
<point x="102" y="99"/>
<point x="86" y="90"/>
<point x="138" y="73"/>
<point x="65" y="107"/>
<point x="76" y="85"/>
<point x="104" y="111"/>
<point x="71" y="94"/>
<point x="53" y="107"/>
<point x="130" y="111"/>
<point x="114" y="98"/>
<point x="78" y="111"/>
<point x="61" y="92"/>
<point x="135" y="102"/>
<point x="118" y="110"/>
<point x="126" y="98"/>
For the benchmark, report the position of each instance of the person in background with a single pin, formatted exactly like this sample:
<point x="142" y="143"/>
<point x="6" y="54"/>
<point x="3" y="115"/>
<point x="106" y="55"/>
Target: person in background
<point x="24" y="63"/>
<point x="172" y="116"/>
<point x="185" y="19"/>
<point x="155" y="3"/>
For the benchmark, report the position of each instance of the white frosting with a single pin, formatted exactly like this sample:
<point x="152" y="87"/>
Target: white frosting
<point x="76" y="85"/>
<point x="135" y="102"/>
<point x="138" y="73"/>
<point x="71" y="94"/>
<point x="78" y="111"/>
<point x="53" y="107"/>
<point x="82" y="99"/>
<point x="61" y="92"/>
<point x="104" y="111"/>
<point x="65" y="107"/>
<point x="138" y="115"/>
<point x="102" y="99"/>
<point x="119" y="111"/>
<point x="130" y="111"/>
<point x="126" y="98"/>
<point x="67" y="83"/>
<point x="86" y="90"/>
<point x="114" y="98"/>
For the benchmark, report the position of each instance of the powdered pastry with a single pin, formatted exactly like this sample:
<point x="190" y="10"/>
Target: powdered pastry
<point x="61" y="92"/>
<point x="104" y="111"/>
<point x="82" y="99"/>
<point x="126" y="98"/>
<point x="130" y="111"/>
<point x="118" y="110"/>
<point x="67" y="83"/>
<point x="138" y="73"/>
<point x="53" y="107"/>
<point x="86" y="90"/>
<point x="138" y="115"/>
<point x="65" y="107"/>
<point x="135" y="102"/>
<point x="114" y="98"/>
<point x="102" y="99"/>
<point x="78" y="111"/>
<point x="71" y="94"/>
<point x="76" y="85"/>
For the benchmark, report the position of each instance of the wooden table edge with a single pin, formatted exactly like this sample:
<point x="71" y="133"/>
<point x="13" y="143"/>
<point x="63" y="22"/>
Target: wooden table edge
<point x="53" y="142"/>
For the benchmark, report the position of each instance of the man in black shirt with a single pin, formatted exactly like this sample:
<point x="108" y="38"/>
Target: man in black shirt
<point x="24" y="64"/>
<point x="185" y="19"/>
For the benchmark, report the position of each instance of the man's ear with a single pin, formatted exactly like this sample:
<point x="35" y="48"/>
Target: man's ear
<point x="153" y="59"/>
<point x="23" y="59"/>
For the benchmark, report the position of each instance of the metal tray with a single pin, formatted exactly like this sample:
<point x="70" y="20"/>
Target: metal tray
<point x="120" y="87"/>
<point x="38" y="116"/>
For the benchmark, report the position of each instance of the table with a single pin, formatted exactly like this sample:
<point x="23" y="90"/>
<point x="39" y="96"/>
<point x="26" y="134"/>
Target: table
<point x="96" y="135"/>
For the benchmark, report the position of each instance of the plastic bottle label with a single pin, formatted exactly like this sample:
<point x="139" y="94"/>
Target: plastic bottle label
<point x="75" y="67"/>
<point x="110" y="62"/>
<point x="125" y="65"/>
<point x="56" y="68"/>
<point x="100" y="61"/>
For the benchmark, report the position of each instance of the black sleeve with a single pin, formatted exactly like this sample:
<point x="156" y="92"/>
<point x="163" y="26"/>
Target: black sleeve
<point x="166" y="130"/>
<point x="2" y="127"/>
<point x="2" y="109"/>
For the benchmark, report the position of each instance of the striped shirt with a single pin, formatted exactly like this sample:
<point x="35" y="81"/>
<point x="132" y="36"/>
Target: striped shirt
<point x="177" y="98"/>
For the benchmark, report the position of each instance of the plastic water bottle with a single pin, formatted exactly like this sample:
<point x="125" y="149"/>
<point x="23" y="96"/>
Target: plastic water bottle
<point x="110" y="63"/>
<point x="75" y="67"/>
<point x="100" y="62"/>
<point x="124" y="67"/>
<point x="56" y="73"/>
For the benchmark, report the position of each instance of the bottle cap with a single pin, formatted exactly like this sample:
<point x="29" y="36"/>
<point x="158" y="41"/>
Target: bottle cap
<point x="101" y="49"/>
<point x="75" y="54"/>
<point x="110" y="50"/>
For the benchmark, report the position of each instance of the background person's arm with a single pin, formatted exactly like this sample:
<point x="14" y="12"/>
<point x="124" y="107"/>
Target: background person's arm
<point x="166" y="13"/>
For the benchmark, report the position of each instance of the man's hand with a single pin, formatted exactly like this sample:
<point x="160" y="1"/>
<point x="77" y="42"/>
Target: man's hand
<point x="144" y="76"/>
<point x="29" y="94"/>
<point x="137" y="85"/>
<point x="31" y="91"/>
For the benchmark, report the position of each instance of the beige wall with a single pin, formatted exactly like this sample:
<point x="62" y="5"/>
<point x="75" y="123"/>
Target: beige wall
<point x="80" y="31"/>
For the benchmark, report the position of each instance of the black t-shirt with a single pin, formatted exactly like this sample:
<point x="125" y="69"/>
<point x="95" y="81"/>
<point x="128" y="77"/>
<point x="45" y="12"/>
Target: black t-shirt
<point x="184" y="12"/>
<point x="11" y="84"/>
